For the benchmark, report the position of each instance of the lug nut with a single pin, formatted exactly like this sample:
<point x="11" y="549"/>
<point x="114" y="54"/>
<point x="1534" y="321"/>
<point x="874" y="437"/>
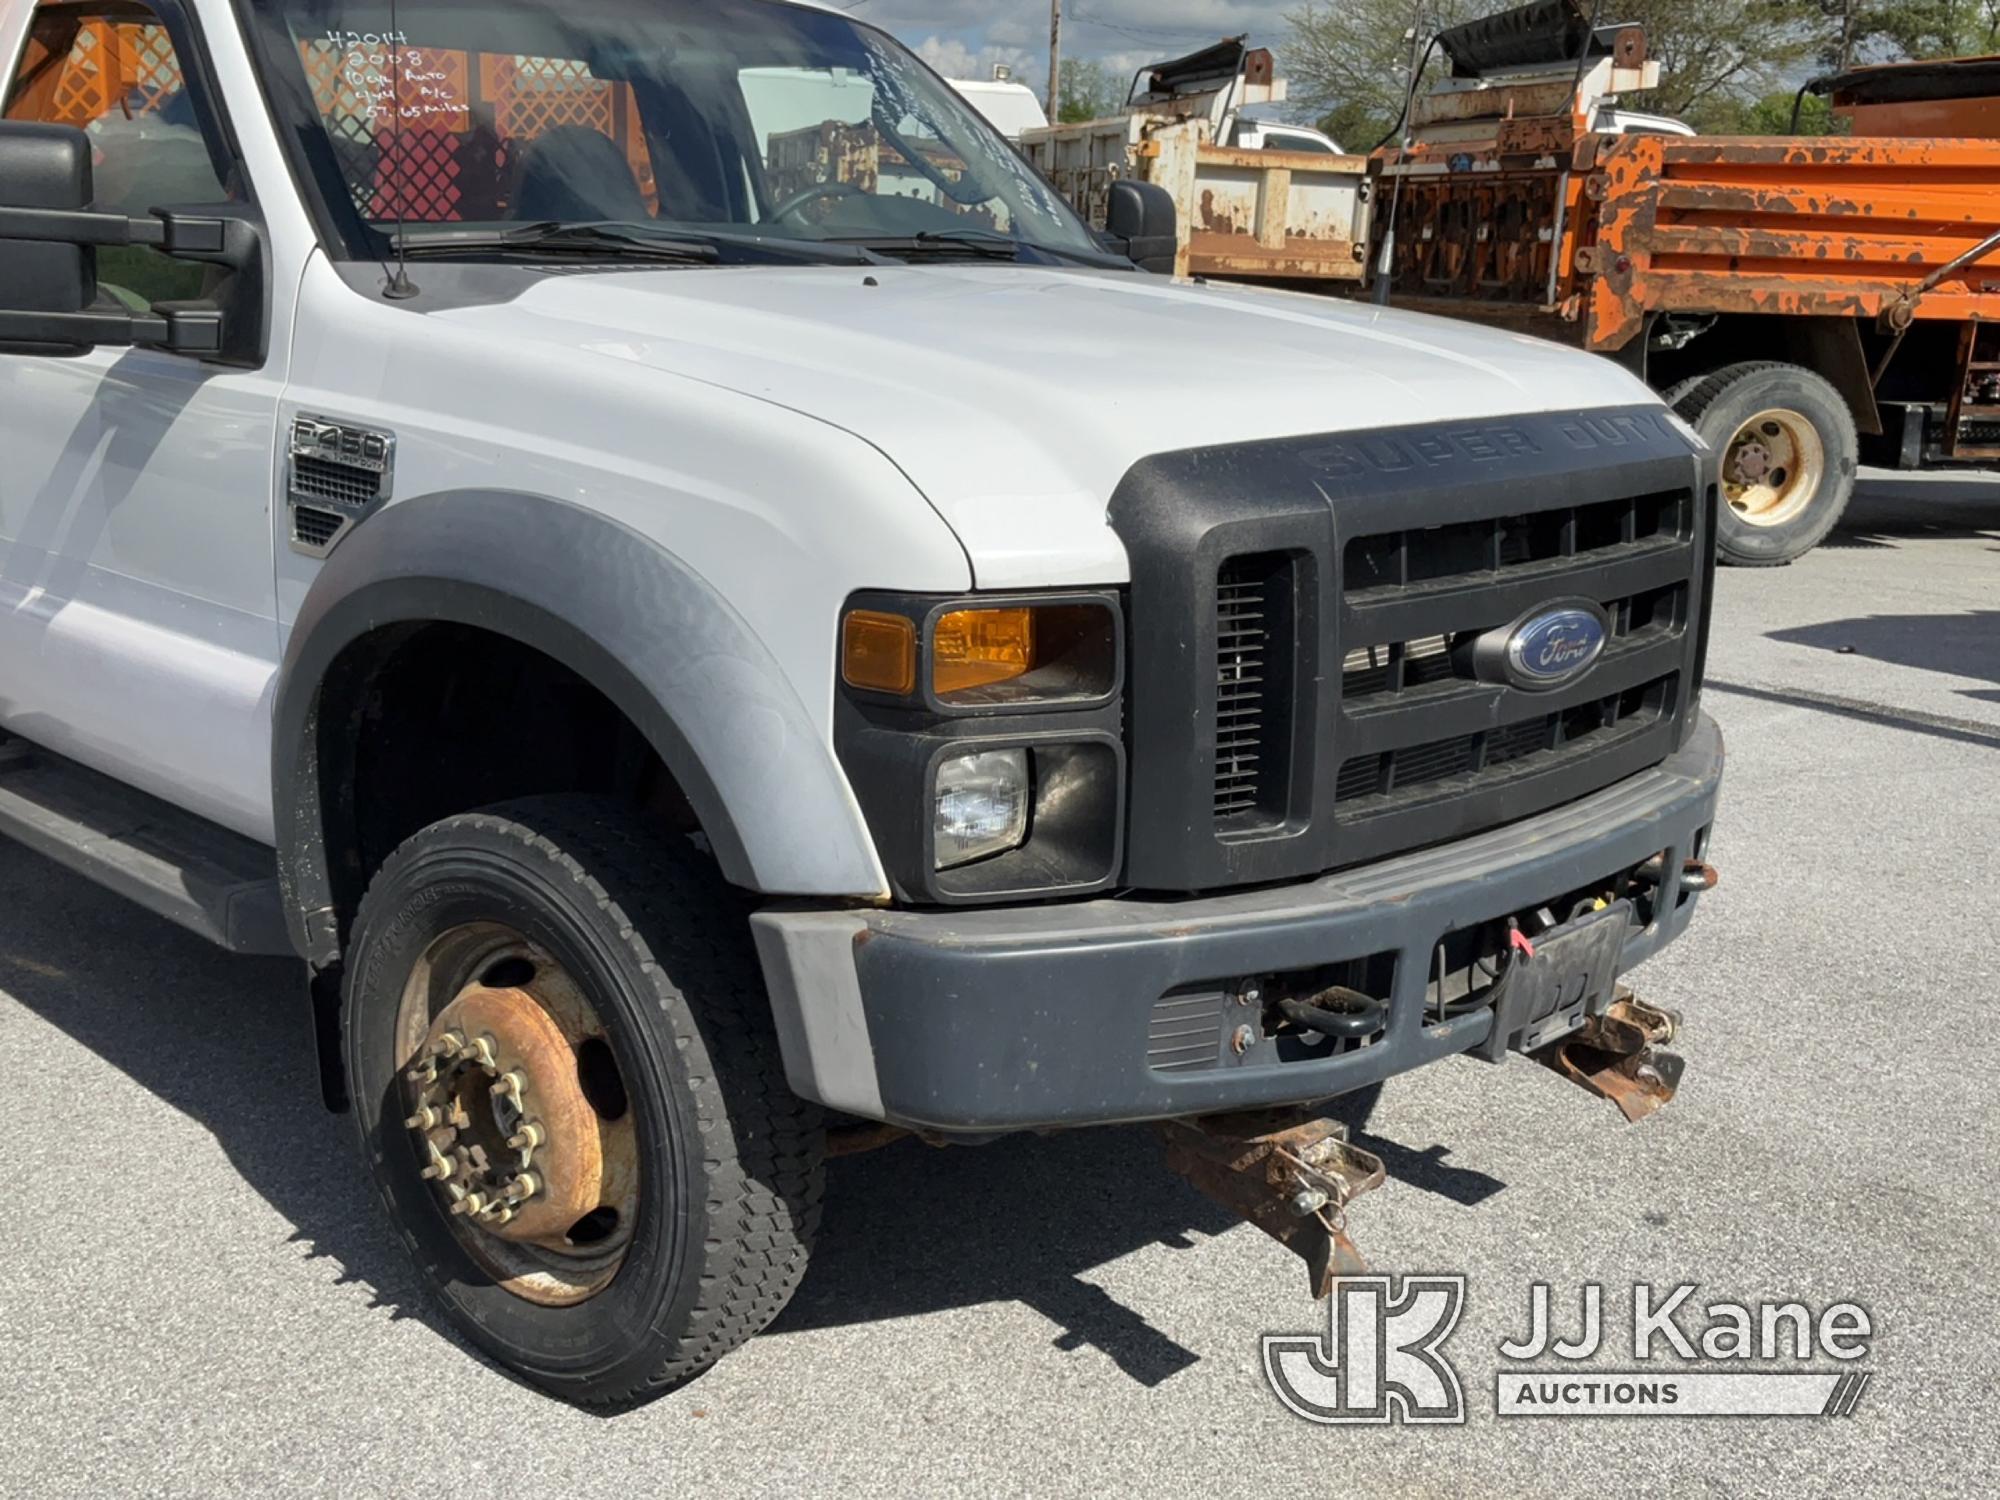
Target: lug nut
<point x="425" y="1118"/>
<point x="508" y="1083"/>
<point x="437" y="1171"/>
<point x="423" y="1075"/>
<point x="1241" y="1041"/>
<point x="522" y="1188"/>
<point x="527" y="1138"/>
<point x="471" y="1203"/>
<point x="449" y="1044"/>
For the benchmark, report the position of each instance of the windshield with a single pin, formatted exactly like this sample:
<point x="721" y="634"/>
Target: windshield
<point x="751" y="119"/>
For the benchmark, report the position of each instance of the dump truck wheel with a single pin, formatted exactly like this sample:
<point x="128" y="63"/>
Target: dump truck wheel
<point x="569" y="1087"/>
<point x="1785" y="454"/>
<point x="1675" y="394"/>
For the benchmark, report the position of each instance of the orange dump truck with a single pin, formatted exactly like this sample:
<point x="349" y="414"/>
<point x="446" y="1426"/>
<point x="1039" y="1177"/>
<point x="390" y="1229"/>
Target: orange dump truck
<point x="1807" y="304"/>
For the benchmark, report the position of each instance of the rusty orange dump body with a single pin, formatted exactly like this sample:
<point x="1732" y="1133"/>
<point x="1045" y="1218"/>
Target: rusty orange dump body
<point x="1952" y="98"/>
<point x="1862" y="258"/>
<point x="1587" y="236"/>
<point x="1821" y="227"/>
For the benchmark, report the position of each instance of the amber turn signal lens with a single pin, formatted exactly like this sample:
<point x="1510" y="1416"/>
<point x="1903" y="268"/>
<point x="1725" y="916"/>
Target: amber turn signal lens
<point x="975" y="648"/>
<point x="879" y="652"/>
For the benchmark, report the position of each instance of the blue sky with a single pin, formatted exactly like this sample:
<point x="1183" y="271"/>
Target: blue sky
<point x="965" y="38"/>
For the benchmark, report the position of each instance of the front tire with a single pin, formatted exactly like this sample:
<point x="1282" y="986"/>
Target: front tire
<point x="1786" y="451"/>
<point x="609" y="974"/>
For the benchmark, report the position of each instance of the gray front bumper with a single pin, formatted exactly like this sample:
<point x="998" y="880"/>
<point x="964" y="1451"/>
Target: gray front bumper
<point x="1021" y="1017"/>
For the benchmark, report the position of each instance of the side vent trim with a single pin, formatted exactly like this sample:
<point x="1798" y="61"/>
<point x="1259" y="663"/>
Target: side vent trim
<point x="334" y="475"/>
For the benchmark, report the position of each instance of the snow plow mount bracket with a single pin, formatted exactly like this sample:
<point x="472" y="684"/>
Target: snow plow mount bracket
<point x="1289" y="1172"/>
<point x="1621" y="1056"/>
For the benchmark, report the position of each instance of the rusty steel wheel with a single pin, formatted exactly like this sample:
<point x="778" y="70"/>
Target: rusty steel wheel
<point x="1784" y="453"/>
<point x="568" y="1085"/>
<point x="1773" y="467"/>
<point x="520" y="1113"/>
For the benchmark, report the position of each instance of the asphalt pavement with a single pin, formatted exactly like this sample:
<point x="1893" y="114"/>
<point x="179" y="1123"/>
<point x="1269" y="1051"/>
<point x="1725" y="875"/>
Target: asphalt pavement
<point x="197" y="1297"/>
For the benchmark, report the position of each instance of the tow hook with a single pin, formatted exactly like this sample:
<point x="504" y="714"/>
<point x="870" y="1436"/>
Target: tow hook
<point x="1290" y="1174"/>
<point x="1618" y="1056"/>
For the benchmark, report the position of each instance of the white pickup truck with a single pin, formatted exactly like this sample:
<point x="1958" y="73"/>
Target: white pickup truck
<point x="648" y="548"/>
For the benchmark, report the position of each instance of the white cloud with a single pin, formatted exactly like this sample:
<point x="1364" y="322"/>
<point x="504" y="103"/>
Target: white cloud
<point x="966" y="38"/>
<point x="955" y="59"/>
<point x="1094" y="28"/>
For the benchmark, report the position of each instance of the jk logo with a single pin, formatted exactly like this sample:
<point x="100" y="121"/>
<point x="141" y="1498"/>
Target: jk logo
<point x="1379" y="1359"/>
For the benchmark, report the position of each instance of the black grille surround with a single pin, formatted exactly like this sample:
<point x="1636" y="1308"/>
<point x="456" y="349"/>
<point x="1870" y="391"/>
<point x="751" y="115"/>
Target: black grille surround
<point x="1300" y="700"/>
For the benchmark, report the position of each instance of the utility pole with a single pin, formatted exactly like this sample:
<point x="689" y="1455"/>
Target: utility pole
<point x="1055" y="61"/>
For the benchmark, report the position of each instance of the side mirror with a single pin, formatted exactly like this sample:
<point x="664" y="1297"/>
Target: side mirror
<point x="49" y="239"/>
<point x="47" y="167"/>
<point x="1142" y="223"/>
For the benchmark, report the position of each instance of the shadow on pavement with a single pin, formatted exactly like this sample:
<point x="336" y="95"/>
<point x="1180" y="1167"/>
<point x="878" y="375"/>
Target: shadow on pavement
<point x="1960" y="645"/>
<point x="909" y="1230"/>
<point x="1889" y="508"/>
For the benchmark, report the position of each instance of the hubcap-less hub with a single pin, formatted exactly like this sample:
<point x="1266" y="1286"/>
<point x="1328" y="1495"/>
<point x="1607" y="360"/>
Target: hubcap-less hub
<point x="519" y="1115"/>
<point x="510" y="1137"/>
<point x="1773" y="467"/>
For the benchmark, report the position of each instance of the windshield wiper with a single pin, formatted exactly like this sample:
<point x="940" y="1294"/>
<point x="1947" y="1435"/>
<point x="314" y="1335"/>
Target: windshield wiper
<point x="616" y="240"/>
<point x="984" y="244"/>
<point x="778" y="247"/>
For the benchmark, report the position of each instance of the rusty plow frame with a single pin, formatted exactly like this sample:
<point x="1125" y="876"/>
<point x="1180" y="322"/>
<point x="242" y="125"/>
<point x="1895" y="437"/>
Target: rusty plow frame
<point x="1293" y="1173"/>
<point x="1290" y="1175"/>
<point x="1621" y="1056"/>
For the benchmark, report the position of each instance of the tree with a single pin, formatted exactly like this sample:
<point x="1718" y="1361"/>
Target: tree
<point x="1349" y="59"/>
<point x="1772" y="115"/>
<point x="1714" y="55"/>
<point x="1090" y="91"/>
<point x="1858" y="31"/>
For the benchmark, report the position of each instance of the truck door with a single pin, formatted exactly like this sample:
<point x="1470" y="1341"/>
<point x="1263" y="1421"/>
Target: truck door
<point x="137" y="614"/>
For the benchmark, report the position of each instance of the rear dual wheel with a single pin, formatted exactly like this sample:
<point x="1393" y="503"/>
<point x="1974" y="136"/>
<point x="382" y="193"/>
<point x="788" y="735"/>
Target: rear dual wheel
<point x="569" y="1089"/>
<point x="1786" y="452"/>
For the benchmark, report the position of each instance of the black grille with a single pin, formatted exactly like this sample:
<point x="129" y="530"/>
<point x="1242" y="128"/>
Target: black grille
<point x="1391" y="668"/>
<point x="1465" y="551"/>
<point x="1427" y="749"/>
<point x="1396" y="666"/>
<point x="318" y="479"/>
<point x="1371" y="784"/>
<point x="1303" y="693"/>
<point x="1244" y="609"/>
<point x="315" y="527"/>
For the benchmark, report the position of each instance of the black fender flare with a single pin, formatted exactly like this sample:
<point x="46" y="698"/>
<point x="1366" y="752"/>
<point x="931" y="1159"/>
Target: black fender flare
<point x="627" y="616"/>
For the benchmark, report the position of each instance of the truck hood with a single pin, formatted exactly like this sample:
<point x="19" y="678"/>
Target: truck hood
<point x="1015" y="398"/>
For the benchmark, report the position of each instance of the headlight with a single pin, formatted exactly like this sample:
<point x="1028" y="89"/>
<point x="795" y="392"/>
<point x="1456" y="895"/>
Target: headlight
<point x="983" y="737"/>
<point x="982" y="806"/>
<point x="971" y="657"/>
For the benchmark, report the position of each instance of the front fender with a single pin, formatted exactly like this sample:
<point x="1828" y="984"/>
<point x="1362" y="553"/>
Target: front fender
<point x="623" y="613"/>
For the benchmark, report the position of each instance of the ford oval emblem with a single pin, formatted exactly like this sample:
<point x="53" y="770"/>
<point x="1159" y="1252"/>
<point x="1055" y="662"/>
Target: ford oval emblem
<point x="1555" y="647"/>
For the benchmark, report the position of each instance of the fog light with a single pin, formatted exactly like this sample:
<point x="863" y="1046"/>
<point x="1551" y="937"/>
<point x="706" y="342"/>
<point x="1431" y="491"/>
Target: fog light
<point x="982" y="806"/>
